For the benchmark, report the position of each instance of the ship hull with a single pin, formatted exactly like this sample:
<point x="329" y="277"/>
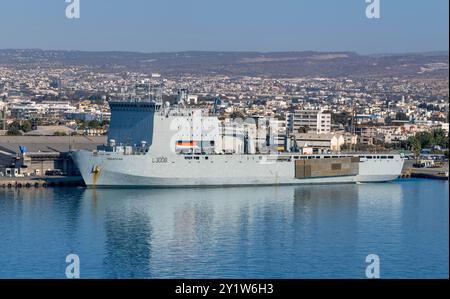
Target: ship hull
<point x="113" y="170"/>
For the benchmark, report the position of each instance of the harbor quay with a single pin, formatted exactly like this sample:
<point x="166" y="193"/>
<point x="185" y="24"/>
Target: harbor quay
<point x="41" y="182"/>
<point x="47" y="162"/>
<point x="39" y="159"/>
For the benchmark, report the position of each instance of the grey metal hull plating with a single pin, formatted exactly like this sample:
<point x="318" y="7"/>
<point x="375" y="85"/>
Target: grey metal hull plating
<point x="117" y="170"/>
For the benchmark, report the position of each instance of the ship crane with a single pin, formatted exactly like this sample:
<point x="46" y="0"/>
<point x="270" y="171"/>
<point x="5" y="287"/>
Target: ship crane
<point x="216" y="103"/>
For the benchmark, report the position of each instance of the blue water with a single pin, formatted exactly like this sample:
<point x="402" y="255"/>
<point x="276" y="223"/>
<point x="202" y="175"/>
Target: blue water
<point x="260" y="232"/>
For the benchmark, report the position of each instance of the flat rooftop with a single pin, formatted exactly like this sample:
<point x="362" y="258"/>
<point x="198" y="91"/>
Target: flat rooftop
<point x="59" y="144"/>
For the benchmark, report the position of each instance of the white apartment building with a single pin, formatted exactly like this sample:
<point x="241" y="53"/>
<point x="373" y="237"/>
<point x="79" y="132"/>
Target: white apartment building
<point x="27" y="109"/>
<point x="317" y="121"/>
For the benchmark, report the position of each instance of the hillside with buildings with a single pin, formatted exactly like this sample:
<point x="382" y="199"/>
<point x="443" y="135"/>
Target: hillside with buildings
<point x="316" y="102"/>
<point x="269" y="64"/>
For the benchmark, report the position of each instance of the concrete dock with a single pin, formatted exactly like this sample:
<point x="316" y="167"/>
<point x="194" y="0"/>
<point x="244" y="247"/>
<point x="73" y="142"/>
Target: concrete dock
<point x="438" y="173"/>
<point x="39" y="182"/>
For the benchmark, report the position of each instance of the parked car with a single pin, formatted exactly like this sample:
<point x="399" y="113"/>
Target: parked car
<point x="54" y="172"/>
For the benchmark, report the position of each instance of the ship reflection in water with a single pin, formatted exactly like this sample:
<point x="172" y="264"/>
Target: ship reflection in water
<point x="261" y="232"/>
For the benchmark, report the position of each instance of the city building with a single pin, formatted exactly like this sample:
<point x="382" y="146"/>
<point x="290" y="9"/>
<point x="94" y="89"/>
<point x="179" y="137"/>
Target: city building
<point x="311" y="120"/>
<point x="320" y="143"/>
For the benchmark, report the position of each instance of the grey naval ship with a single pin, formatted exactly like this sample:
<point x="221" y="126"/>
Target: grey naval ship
<point x="151" y="144"/>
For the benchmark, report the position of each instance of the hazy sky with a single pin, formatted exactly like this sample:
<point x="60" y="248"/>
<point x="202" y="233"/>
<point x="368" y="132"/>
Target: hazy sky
<point x="226" y="25"/>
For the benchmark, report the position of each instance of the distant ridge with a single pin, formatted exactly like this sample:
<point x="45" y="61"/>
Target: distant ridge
<point x="267" y="64"/>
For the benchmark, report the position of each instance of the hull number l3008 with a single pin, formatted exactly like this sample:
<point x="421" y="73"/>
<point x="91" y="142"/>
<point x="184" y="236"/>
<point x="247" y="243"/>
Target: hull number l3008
<point x="159" y="160"/>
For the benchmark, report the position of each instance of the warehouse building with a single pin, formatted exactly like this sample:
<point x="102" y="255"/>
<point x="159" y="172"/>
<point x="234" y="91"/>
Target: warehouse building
<point x="38" y="155"/>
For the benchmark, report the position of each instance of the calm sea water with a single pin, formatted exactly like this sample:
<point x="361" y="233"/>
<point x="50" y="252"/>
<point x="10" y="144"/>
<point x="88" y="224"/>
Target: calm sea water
<point x="260" y="232"/>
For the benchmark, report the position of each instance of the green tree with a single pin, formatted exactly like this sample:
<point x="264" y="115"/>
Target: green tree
<point x="26" y="126"/>
<point x="341" y="118"/>
<point x="416" y="148"/>
<point x="388" y="121"/>
<point x="303" y="129"/>
<point x="14" y="132"/>
<point x="361" y="147"/>
<point x="425" y="139"/>
<point x="58" y="133"/>
<point x="401" y="116"/>
<point x="15" y="125"/>
<point x="93" y="124"/>
<point x="433" y="138"/>
<point x="237" y="114"/>
<point x="440" y="138"/>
